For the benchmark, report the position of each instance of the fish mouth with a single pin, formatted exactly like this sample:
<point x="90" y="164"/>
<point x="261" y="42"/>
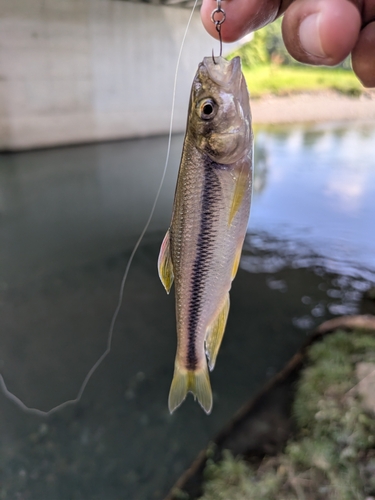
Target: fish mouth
<point x="221" y="71"/>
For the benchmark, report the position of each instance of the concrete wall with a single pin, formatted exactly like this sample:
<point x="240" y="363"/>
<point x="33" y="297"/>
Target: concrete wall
<point x="86" y="70"/>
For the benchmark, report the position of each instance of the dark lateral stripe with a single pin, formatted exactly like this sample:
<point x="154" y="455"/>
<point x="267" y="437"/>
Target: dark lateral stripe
<point x="211" y="191"/>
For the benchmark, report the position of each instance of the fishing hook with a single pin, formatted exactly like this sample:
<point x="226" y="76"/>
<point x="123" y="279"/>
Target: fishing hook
<point x="218" y="22"/>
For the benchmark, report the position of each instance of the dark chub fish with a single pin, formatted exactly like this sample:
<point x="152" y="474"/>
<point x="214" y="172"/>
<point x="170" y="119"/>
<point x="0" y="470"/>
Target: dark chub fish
<point x="202" y="248"/>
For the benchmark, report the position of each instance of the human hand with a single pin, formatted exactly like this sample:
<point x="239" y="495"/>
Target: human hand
<point x="314" y="31"/>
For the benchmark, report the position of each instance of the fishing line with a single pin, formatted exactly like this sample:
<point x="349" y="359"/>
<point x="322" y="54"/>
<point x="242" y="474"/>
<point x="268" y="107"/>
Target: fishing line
<point x="35" y="411"/>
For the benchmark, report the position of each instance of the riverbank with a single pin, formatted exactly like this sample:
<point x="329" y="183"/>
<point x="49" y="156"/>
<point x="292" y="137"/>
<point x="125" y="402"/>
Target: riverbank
<point x="310" y="107"/>
<point x="331" y="451"/>
<point x="321" y="405"/>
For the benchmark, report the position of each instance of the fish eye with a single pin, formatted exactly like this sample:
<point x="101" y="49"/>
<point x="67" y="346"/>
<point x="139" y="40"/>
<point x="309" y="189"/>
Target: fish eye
<point x="207" y="109"/>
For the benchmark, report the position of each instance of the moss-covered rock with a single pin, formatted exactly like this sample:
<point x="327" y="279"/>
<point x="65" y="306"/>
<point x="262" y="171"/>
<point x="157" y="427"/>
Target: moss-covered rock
<point x="332" y="455"/>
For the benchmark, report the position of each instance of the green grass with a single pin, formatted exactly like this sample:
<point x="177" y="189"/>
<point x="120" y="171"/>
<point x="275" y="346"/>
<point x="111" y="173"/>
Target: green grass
<point x="275" y="79"/>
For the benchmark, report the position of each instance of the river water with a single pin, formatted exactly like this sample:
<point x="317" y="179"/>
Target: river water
<point x="68" y="221"/>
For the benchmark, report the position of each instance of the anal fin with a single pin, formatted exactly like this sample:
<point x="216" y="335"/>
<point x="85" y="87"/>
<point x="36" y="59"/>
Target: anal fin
<point x="215" y="333"/>
<point x="196" y="381"/>
<point x="165" y="265"/>
<point x="236" y="261"/>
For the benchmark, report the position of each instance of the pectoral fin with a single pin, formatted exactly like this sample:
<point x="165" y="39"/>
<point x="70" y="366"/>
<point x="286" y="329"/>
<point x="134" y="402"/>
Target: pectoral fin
<point x="165" y="265"/>
<point x="242" y="185"/>
<point x="215" y="334"/>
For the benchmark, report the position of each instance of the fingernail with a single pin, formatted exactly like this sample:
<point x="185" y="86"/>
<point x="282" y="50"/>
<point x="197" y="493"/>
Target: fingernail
<point x="309" y="36"/>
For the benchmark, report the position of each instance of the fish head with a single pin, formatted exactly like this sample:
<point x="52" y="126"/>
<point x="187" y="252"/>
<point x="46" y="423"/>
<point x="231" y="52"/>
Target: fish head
<point x="219" y="120"/>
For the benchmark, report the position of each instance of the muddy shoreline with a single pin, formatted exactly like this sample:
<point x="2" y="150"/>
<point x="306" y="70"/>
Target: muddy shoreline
<point x="313" y="107"/>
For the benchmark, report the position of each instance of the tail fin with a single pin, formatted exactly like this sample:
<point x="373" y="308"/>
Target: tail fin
<point x="195" y="381"/>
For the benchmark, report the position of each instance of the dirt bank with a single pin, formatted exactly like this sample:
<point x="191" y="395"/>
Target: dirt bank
<point x="313" y="107"/>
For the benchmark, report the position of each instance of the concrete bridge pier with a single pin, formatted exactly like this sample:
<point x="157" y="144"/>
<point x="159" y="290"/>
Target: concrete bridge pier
<point x="74" y="71"/>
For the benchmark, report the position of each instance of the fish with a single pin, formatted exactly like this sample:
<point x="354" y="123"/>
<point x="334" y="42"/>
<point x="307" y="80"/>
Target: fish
<point x="201" y="250"/>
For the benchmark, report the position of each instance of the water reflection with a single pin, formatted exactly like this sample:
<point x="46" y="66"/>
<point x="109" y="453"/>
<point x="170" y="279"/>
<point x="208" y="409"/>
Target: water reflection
<point x="260" y="170"/>
<point x="68" y="220"/>
<point x="320" y="190"/>
<point x="71" y="205"/>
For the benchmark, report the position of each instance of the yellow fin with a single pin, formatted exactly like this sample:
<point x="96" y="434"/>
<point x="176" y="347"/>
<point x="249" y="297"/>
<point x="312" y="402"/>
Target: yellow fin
<point x="195" y="381"/>
<point x="242" y="185"/>
<point x="236" y="262"/>
<point x="165" y="265"/>
<point x="215" y="334"/>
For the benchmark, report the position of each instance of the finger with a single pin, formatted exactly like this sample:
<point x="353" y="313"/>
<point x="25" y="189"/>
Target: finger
<point x="242" y="16"/>
<point x="321" y="31"/>
<point x="363" y="56"/>
<point x="368" y="12"/>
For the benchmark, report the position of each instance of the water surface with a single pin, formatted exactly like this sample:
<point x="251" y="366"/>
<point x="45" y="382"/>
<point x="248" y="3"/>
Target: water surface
<point x="68" y="220"/>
